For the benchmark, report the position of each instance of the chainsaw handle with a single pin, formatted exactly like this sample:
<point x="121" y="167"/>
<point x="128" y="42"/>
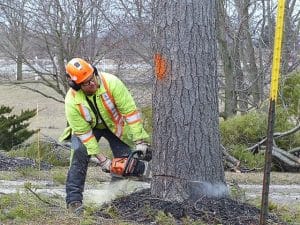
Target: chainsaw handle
<point x="130" y="158"/>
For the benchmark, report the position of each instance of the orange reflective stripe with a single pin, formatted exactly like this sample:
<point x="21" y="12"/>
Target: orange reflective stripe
<point x="107" y="105"/>
<point x="119" y="129"/>
<point x="133" y="117"/>
<point x="86" y="140"/>
<point x="86" y="137"/>
<point x="107" y="89"/>
<point x="85" y="113"/>
<point x="114" y="114"/>
<point x="110" y="106"/>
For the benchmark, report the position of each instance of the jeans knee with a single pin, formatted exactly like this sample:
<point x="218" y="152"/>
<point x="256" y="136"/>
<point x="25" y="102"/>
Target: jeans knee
<point x="79" y="150"/>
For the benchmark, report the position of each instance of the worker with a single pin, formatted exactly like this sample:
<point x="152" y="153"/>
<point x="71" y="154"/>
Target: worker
<point x="98" y="105"/>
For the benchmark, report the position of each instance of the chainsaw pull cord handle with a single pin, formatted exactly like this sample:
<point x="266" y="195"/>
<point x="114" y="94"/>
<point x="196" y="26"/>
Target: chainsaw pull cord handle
<point x="129" y="160"/>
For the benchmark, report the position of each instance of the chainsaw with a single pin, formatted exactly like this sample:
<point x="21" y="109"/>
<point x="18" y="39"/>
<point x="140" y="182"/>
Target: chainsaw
<point x="133" y="165"/>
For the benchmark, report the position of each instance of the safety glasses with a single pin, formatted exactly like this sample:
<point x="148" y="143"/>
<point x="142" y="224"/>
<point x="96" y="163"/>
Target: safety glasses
<point x="89" y="81"/>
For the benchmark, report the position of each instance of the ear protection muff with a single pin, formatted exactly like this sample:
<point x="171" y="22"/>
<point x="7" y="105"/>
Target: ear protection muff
<point x="72" y="84"/>
<point x="95" y="71"/>
<point x="75" y="86"/>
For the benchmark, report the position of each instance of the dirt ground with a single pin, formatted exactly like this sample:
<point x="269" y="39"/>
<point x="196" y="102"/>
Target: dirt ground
<point x="136" y="207"/>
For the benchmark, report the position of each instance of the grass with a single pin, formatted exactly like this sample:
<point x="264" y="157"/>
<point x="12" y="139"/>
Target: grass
<point x="25" y="208"/>
<point x="289" y="213"/>
<point x="256" y="178"/>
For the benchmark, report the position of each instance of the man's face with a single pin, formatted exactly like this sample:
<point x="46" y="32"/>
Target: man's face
<point x="90" y="85"/>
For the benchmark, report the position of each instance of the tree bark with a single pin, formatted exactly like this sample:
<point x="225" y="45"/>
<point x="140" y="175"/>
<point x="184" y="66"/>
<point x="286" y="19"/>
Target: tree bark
<point x="187" y="162"/>
<point x="19" y="67"/>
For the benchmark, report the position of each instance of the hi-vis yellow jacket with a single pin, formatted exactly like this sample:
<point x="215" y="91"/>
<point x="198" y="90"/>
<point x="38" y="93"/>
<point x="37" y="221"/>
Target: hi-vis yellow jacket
<point x="117" y="109"/>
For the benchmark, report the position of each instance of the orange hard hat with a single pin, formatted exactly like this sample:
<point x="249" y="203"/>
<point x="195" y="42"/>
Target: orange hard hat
<point x="79" y="70"/>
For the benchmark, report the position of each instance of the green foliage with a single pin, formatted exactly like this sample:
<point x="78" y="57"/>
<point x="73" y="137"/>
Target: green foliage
<point x="245" y="129"/>
<point x="237" y="193"/>
<point x="13" y="128"/>
<point x="27" y="171"/>
<point x="242" y="131"/>
<point x="189" y="221"/>
<point x="247" y="158"/>
<point x="18" y="207"/>
<point x="290" y="94"/>
<point x="284" y="123"/>
<point x="59" y="177"/>
<point x="163" y="219"/>
<point x="112" y="211"/>
<point x="288" y="214"/>
<point x="250" y="128"/>
<point x="42" y="152"/>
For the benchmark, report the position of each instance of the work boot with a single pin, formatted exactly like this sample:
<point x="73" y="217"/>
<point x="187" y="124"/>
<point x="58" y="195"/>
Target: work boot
<point x="76" y="208"/>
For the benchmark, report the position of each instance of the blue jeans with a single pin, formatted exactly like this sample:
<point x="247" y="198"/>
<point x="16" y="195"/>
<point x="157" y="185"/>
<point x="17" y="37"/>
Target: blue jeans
<point x="79" y="164"/>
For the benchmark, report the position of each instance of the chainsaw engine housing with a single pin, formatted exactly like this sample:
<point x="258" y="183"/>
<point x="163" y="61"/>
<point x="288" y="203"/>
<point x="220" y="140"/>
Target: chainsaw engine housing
<point x="130" y="166"/>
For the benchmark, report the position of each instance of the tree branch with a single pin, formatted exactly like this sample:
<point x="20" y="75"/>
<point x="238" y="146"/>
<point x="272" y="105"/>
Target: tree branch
<point x="276" y="135"/>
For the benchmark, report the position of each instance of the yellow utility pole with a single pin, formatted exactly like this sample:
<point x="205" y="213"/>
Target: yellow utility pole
<point x="271" y="116"/>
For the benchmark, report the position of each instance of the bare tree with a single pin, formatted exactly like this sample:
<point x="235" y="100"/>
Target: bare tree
<point x="291" y="41"/>
<point x="228" y="58"/>
<point x="130" y="23"/>
<point x="60" y="30"/>
<point x="187" y="159"/>
<point x="14" y="29"/>
<point x="245" y="38"/>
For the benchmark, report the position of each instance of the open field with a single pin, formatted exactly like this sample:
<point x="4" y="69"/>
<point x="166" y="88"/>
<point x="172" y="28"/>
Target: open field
<point x="51" y="118"/>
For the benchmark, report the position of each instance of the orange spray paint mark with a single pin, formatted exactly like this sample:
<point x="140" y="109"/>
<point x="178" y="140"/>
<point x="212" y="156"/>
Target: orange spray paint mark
<point x="160" y="64"/>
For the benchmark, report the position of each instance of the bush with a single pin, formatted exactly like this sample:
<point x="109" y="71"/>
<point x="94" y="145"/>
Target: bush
<point x="290" y="94"/>
<point x="250" y="128"/>
<point x="247" y="158"/>
<point x="244" y="130"/>
<point x="13" y="128"/>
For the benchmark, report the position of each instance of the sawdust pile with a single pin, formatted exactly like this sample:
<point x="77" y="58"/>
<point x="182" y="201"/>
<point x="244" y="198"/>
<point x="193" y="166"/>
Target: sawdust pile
<point x="141" y="208"/>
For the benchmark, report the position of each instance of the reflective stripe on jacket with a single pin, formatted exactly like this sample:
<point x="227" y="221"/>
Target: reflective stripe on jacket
<point x="117" y="108"/>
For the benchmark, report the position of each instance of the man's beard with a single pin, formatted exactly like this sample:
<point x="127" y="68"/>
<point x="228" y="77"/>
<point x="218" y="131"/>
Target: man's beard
<point x="90" y="93"/>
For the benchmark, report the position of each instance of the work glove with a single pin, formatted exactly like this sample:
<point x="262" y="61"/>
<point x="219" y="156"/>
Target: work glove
<point x="143" y="147"/>
<point x="105" y="165"/>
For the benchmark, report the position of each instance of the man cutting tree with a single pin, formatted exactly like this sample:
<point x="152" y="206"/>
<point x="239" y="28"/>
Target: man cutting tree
<point x="99" y="105"/>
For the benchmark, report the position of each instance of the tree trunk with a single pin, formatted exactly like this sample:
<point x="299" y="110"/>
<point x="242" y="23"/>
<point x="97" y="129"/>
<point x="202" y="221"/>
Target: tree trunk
<point x="230" y="98"/>
<point x="249" y="54"/>
<point x="19" y="67"/>
<point x="187" y="162"/>
<point x="290" y="36"/>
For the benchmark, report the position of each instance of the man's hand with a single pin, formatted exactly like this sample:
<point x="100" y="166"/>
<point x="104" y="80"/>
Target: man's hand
<point x="145" y="150"/>
<point x="105" y="165"/>
<point x="141" y="146"/>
